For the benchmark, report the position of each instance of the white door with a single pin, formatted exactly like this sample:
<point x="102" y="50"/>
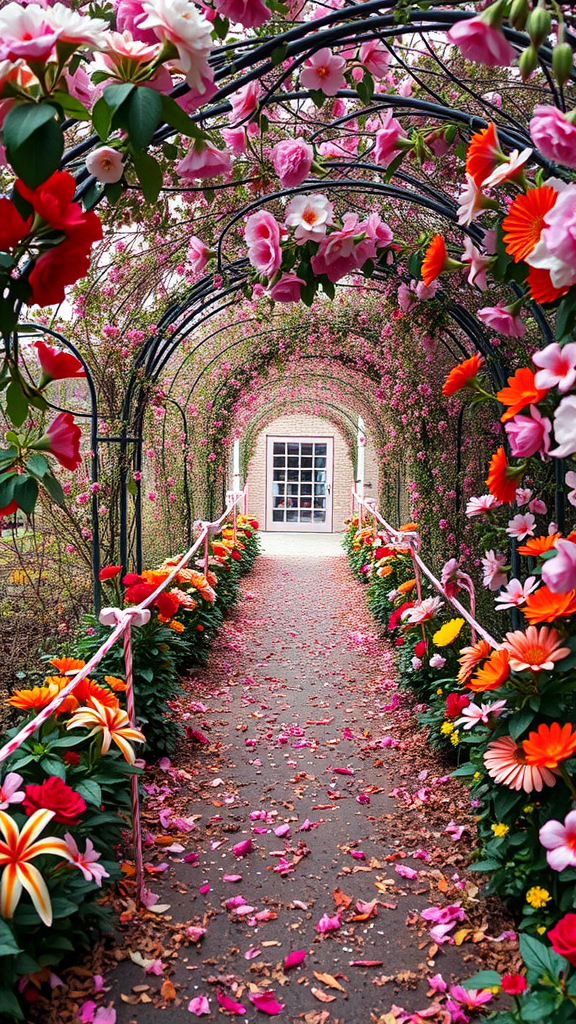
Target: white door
<point x="299" y="484"/>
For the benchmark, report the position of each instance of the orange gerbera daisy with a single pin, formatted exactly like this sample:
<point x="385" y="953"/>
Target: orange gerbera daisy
<point x="34" y="699"/>
<point x="503" y="479"/>
<point x="436" y="261"/>
<point x="406" y="587"/>
<point x="524" y="223"/>
<point x="67" y="665"/>
<point x="115" y="683"/>
<point x="535" y="649"/>
<point x="538" y="545"/>
<point x="87" y="688"/>
<point x="154" y="576"/>
<point x="541" y="287"/>
<point x="463" y="375"/>
<point x="545" y="606"/>
<point x="493" y="673"/>
<point x="470" y="657"/>
<point x="484" y="154"/>
<point x="549" y="745"/>
<point x="521" y="391"/>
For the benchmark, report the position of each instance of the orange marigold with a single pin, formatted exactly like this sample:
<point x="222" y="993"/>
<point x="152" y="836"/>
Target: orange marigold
<point x="521" y="391"/>
<point x="538" y="545"/>
<point x="408" y="527"/>
<point x="435" y="260"/>
<point x="549" y="745"/>
<point x="66" y="665"/>
<point x="503" y="479"/>
<point x="545" y="606"/>
<point x="406" y="587"/>
<point x="470" y="657"/>
<point x="493" y="673"/>
<point x="463" y="375"/>
<point x="524" y="223"/>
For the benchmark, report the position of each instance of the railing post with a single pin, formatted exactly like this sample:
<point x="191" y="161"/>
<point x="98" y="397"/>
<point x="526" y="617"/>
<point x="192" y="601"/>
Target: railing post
<point x="136" y="825"/>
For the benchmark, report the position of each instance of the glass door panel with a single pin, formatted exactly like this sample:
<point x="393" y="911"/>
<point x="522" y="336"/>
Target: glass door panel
<point x="299" y="484"/>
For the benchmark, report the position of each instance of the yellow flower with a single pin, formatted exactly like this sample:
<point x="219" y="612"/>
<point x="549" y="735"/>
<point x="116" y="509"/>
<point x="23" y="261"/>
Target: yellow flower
<point x="406" y="587"/>
<point x="439" y="691"/>
<point x="178" y="627"/>
<point x="455" y="738"/>
<point x="446" y="728"/>
<point x="477" y="776"/>
<point x="447" y="633"/>
<point x="500" y="829"/>
<point x="538" y="897"/>
<point x="528" y="809"/>
<point x="541" y="929"/>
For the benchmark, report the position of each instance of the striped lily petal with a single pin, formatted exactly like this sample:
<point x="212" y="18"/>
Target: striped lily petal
<point x="30" y="878"/>
<point x="33" y="827"/>
<point x="10" y="891"/>
<point x="9" y="829"/>
<point x="51" y="844"/>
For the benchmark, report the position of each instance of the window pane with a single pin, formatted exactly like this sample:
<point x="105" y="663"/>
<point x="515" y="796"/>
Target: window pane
<point x="279" y="448"/>
<point x="320" y="449"/>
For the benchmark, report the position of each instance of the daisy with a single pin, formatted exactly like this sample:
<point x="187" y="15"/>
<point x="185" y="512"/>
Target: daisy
<point x="506" y="763"/>
<point x="535" y="649"/>
<point x="524" y="223"/>
<point x="470" y="657"/>
<point x="475" y="714"/>
<point x="545" y="606"/>
<point x="549" y="745"/>
<point x="515" y="593"/>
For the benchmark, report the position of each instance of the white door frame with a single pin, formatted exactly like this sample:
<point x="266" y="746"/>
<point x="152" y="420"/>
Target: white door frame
<point x="298" y="526"/>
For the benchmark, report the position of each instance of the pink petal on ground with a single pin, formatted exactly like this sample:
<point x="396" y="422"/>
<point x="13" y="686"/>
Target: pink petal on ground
<point x="294" y="958"/>
<point x="420" y="855"/>
<point x="328" y="924"/>
<point x="105" y="1015"/>
<point x="343" y="771"/>
<point x="227" y="1003"/>
<point x="199" y="1005"/>
<point x="404" y="871"/>
<point x="204" y="889"/>
<point x="363" y="798"/>
<point x="149" y="899"/>
<point x="231" y="878"/>
<point x="156" y="967"/>
<point x="282" y="830"/>
<point x="244" y="910"/>
<point x="251" y="953"/>
<point x="266" y="1002"/>
<point x="261" y="831"/>
<point x="439" y="933"/>
<point x="190" y="858"/>
<point x="235" y="901"/>
<point x="164" y="763"/>
<point x="305" y="826"/>
<point x="87" y="1011"/>
<point x="195" y="734"/>
<point x="241" y="849"/>
<point x="195" y="933"/>
<point x="455" y="831"/>
<point x="367" y="908"/>
<point x="358" y="854"/>
<point x="265" y="915"/>
<point x="99" y="983"/>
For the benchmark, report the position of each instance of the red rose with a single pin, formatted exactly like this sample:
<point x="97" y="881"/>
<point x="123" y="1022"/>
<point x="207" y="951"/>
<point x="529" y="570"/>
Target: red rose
<point x="55" y="795"/>
<point x="236" y="556"/>
<point x="455" y="703"/>
<point x="53" y="201"/>
<point x="513" y="984"/>
<point x="563" y="938"/>
<point x="109" y="572"/>
<point x="254" y="524"/>
<point x="167" y="604"/>
<point x="382" y="553"/>
<point x="71" y="758"/>
<point x="138" y="593"/>
<point x="13" y="227"/>
<point x="54" y="270"/>
<point x="57" y="365"/>
<point x="420" y="648"/>
<point x="131" y="578"/>
<point x="399" y="641"/>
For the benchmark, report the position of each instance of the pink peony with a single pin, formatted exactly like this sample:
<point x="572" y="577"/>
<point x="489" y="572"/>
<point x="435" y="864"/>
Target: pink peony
<point x="235" y="139"/>
<point x="262" y="234"/>
<point x="559" y="573"/>
<point x="386" y="147"/>
<point x="375" y="57"/>
<point x="292" y="160"/>
<point x="529" y="434"/>
<point x="554" y="135"/>
<point x="322" y="72"/>
<point x="560" y="841"/>
<point x="129" y="16"/>
<point x="203" y="160"/>
<point x="501" y="318"/>
<point x="180" y="23"/>
<point x="288" y="288"/>
<point x="481" y="42"/>
<point x="249" y="13"/>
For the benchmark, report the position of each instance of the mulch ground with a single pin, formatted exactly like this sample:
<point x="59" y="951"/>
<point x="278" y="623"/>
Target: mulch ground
<point x="299" y="741"/>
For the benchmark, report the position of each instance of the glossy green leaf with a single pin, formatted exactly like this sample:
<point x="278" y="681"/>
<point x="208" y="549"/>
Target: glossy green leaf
<point x="26" y="493"/>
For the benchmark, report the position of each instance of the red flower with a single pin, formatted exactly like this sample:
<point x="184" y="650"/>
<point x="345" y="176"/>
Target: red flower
<point x="513" y="984"/>
<point x="71" y="758"/>
<point x="463" y="375"/>
<point x="57" y="365"/>
<point x="503" y="479"/>
<point x="455" y="703"/>
<point x="131" y="578"/>
<point x="109" y="572"/>
<point x="254" y="524"/>
<point x="8" y="509"/>
<point x="236" y="556"/>
<point x="420" y="648"/>
<point x="138" y="592"/>
<point x="563" y="938"/>
<point x="53" y="201"/>
<point x="62" y="440"/>
<point x="399" y="641"/>
<point x="382" y="553"/>
<point x="167" y="604"/>
<point x="13" y="227"/>
<point x="396" y="615"/>
<point x="55" y="795"/>
<point x="434" y="261"/>
<point x="484" y="155"/>
<point x="61" y="266"/>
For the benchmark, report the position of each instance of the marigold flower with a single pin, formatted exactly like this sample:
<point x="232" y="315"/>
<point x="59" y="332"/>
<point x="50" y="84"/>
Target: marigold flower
<point x="538" y="545"/>
<point x="535" y="649"/>
<point x="538" y="897"/>
<point x="463" y="375"/>
<point x="545" y="606"/>
<point x="408" y="527"/>
<point x="447" y="633"/>
<point x="470" y="657"/>
<point x="483" y="154"/>
<point x="524" y="223"/>
<point x="33" y="699"/>
<point x="67" y="665"/>
<point x="406" y="587"/>
<point x="503" y="479"/>
<point x="506" y="763"/>
<point x="178" y="627"/>
<point x="493" y="673"/>
<point x="500" y="829"/>
<point x="521" y="391"/>
<point x="549" y="745"/>
<point x="112" y="723"/>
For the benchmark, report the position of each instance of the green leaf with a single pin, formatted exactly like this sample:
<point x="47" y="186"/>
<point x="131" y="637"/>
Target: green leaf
<point x="16" y="404"/>
<point x="484" y="979"/>
<point x="102" y="118"/>
<point x="71" y="106"/>
<point x="132" y="487"/>
<point x="37" y="464"/>
<point x="220" y="27"/>
<point x="464" y="771"/>
<point x="8" y="316"/>
<point x="178" y="118"/>
<point x="8" y="454"/>
<point x="539" y="958"/>
<point x="8" y="944"/>
<point x="393" y="167"/>
<point x="91" y="792"/>
<point x="113" y="190"/>
<point x="116" y="95"/>
<point x="26" y="493"/>
<point x="565" y="316"/>
<point x="485" y="866"/>
<point x="141" y="115"/>
<point x="539" y="1006"/>
<point x="23" y="120"/>
<point x="279" y="54"/>
<point x="149" y="175"/>
<point x="54" y="489"/>
<point x="34" y="154"/>
<point x="10" y="1005"/>
<point x="53" y="766"/>
<point x="520" y="722"/>
<point x="7" y="489"/>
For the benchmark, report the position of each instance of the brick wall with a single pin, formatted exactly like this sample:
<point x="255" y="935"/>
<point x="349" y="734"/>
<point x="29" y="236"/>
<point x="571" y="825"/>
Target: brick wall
<point x="300" y="425"/>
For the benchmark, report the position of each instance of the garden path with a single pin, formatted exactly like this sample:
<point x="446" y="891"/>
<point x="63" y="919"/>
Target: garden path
<point x="299" y="690"/>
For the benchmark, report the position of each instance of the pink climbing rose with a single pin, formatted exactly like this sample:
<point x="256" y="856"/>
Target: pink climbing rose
<point x="554" y="134"/>
<point x="529" y="434"/>
<point x="288" y="288"/>
<point x="387" y="144"/>
<point x="198" y="254"/>
<point x="292" y="160"/>
<point x="203" y="160"/>
<point x="322" y="72"/>
<point x="482" y="42"/>
<point x="249" y="13"/>
<point x="375" y="57"/>
<point x="262" y="235"/>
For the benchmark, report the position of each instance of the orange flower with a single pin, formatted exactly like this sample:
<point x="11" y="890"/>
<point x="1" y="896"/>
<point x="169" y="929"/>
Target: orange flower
<point x="524" y="223"/>
<point x="463" y="375"/>
<point x="549" y="745"/>
<point x="521" y="392"/>
<point x="33" y="699"/>
<point x="506" y="763"/>
<point x="406" y="587"/>
<point x="436" y="261"/>
<point x="493" y="673"/>
<point x="88" y="688"/>
<point x="178" y="627"/>
<point x="114" y="683"/>
<point x="545" y="606"/>
<point x="154" y="576"/>
<point x="470" y="657"/>
<point x="503" y="479"/>
<point x="483" y="155"/>
<point x="67" y="665"/>
<point x="408" y="527"/>
<point x="541" y="287"/>
<point x="537" y="545"/>
<point x="535" y="649"/>
<point x="384" y="570"/>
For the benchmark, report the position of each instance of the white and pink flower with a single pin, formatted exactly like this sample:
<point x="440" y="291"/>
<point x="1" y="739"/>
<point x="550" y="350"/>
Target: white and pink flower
<point x="310" y="216"/>
<point x="565" y="428"/>
<point x="503" y="319"/>
<point x="494" y="576"/>
<point x="9" y="790"/>
<point x="558" y="366"/>
<point x="559" y="573"/>
<point x="479" y="714"/>
<point x="87" y="861"/>
<point x="515" y="593"/>
<point x="560" y="842"/>
<point x="180" y="23"/>
<point x="481" y="42"/>
<point x="529" y="434"/>
<point x="482" y="506"/>
<point x="521" y="526"/>
<point x="387" y="144"/>
<point x="323" y="72"/>
<point x="554" y="134"/>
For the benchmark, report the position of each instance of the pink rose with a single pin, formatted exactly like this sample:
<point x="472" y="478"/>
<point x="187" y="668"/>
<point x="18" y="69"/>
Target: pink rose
<point x="336" y="255"/>
<point x="235" y="139"/>
<point x="323" y="72"/>
<point x="559" y="235"/>
<point x="195" y="98"/>
<point x="386" y="147"/>
<point x="500" y="318"/>
<point x="292" y="159"/>
<point x="249" y="13"/>
<point x="287" y="289"/>
<point x="203" y="160"/>
<point x="198" y="254"/>
<point x="375" y="57"/>
<point x="245" y="101"/>
<point x="482" y="43"/>
<point x="554" y="135"/>
<point x="559" y="573"/>
<point x="529" y="434"/>
<point x="129" y="14"/>
<point x="377" y="230"/>
<point x="262" y="235"/>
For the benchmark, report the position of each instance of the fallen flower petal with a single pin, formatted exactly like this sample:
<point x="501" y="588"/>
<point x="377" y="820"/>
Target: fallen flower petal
<point x="250" y="954"/>
<point x="199" y="1005"/>
<point x="294" y="958"/>
<point x="366" y="963"/>
<point x="342" y="771"/>
<point x="195" y="933"/>
<point x="404" y="871"/>
<point x="266" y="1002"/>
<point x="87" y="1011"/>
<point x="241" y="849"/>
<point x="227" y="1003"/>
<point x="282" y="830"/>
<point x="231" y="878"/>
<point x="328" y="924"/>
